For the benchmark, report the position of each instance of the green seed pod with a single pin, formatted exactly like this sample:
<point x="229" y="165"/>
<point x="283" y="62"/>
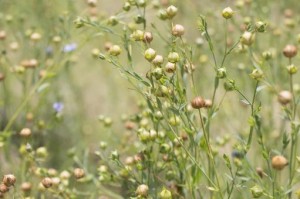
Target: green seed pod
<point x="227" y="13"/>
<point x="113" y="21"/>
<point x="173" y="57"/>
<point x="257" y="74"/>
<point x="248" y="38"/>
<point x="78" y="22"/>
<point x="256" y="191"/>
<point x="137" y="35"/>
<point x="115" y="50"/>
<point x="126" y="6"/>
<point x="114" y="155"/>
<point x="41" y="152"/>
<point x="162" y="14"/>
<point x="139" y="19"/>
<point x="230" y="85"/>
<point x="292" y="69"/>
<point x="221" y="73"/>
<point x="260" y="26"/>
<point x="158" y="73"/>
<point x="150" y="54"/>
<point x="267" y="55"/>
<point x="171" y="11"/>
<point x="164" y="148"/>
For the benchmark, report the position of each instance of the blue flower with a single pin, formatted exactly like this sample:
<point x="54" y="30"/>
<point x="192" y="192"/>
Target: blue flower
<point x="69" y="47"/>
<point x="58" y="106"/>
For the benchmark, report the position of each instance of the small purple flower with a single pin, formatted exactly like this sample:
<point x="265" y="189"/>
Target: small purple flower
<point x="58" y="107"/>
<point x="69" y="47"/>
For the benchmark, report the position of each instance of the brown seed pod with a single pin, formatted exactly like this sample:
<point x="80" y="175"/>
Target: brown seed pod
<point x="260" y="172"/>
<point x="148" y="37"/>
<point x="2" y="35"/>
<point x="9" y="180"/>
<point x="2" y="77"/>
<point x="78" y="173"/>
<point x="279" y="162"/>
<point x="285" y="97"/>
<point x="47" y="182"/>
<point x="3" y="188"/>
<point x="198" y="102"/>
<point x="290" y="51"/>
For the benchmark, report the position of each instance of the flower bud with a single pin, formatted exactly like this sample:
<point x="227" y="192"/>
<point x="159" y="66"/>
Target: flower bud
<point x="247" y="38"/>
<point x="142" y="190"/>
<point x="227" y="13"/>
<point x="171" y="11"/>
<point x="26" y="132"/>
<point x="78" y="173"/>
<point x="178" y="30"/>
<point x="78" y="22"/>
<point x="114" y="155"/>
<point x="41" y="152"/>
<point x="279" y="162"/>
<point x="267" y="55"/>
<point x="290" y="51"/>
<point x="9" y="180"/>
<point x="150" y="54"/>
<point x="285" y="97"/>
<point x="113" y="21"/>
<point x="257" y="74"/>
<point x="158" y="73"/>
<point x="170" y="67"/>
<point x="260" y="26"/>
<point x="221" y="73"/>
<point x="126" y="6"/>
<point x="162" y="14"/>
<point x="292" y="69"/>
<point x="256" y="191"/>
<point x="198" y="102"/>
<point x="165" y="194"/>
<point x="47" y="182"/>
<point x="173" y="57"/>
<point x="115" y="50"/>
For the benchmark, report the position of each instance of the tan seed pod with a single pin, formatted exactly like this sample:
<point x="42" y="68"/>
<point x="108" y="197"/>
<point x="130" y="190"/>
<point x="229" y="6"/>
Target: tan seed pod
<point x="285" y="97"/>
<point x="290" y="51"/>
<point x="142" y="190"/>
<point x="26" y="186"/>
<point x="279" y="162"/>
<point x="47" y="182"/>
<point x="25" y="132"/>
<point x="79" y="173"/>
<point x="198" y="102"/>
<point x="9" y="180"/>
